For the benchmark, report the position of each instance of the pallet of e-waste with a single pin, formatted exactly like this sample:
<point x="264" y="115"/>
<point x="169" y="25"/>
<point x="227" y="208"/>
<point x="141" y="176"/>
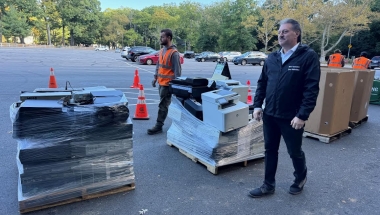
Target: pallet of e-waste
<point x="214" y="168"/>
<point x="62" y="197"/>
<point x="327" y="138"/>
<point x="207" y="145"/>
<point x="354" y="124"/>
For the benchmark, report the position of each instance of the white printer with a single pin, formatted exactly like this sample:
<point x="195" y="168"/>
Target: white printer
<point x="223" y="110"/>
<point x="234" y="86"/>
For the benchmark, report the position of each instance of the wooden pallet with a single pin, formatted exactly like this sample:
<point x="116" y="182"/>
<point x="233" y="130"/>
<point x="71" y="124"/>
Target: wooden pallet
<point x="327" y="138"/>
<point x="85" y="196"/>
<point x="354" y="124"/>
<point x="211" y="168"/>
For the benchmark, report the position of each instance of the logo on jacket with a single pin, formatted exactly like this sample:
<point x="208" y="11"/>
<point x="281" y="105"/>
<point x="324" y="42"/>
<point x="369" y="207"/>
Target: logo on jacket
<point x="294" y="68"/>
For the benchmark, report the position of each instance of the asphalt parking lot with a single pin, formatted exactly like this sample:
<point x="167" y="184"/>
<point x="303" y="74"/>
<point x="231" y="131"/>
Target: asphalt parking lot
<point x="343" y="177"/>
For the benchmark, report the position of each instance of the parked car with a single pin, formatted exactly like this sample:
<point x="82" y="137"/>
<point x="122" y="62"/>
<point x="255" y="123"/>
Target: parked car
<point x="253" y="58"/>
<point x="208" y="56"/>
<point x="117" y="50"/>
<point x="152" y="58"/>
<point x="229" y="56"/>
<point x="223" y="53"/>
<point x="124" y="52"/>
<point x="136" y="51"/>
<point x="375" y="62"/>
<point x="189" y="54"/>
<point x="102" y="48"/>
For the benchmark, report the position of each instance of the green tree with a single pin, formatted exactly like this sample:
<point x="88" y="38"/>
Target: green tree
<point x="234" y="35"/>
<point x="14" y="24"/>
<point x="82" y="17"/>
<point x="3" y="5"/>
<point x="210" y="27"/>
<point x="189" y="13"/>
<point x="115" y="22"/>
<point x="335" y="20"/>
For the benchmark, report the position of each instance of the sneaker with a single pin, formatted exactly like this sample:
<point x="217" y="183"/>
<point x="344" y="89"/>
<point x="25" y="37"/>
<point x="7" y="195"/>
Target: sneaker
<point x="297" y="188"/>
<point x="264" y="190"/>
<point x="155" y="130"/>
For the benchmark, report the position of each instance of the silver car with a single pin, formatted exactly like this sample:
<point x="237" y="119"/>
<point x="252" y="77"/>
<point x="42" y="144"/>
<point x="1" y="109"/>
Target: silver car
<point x="101" y="48"/>
<point x="230" y="55"/>
<point x="124" y="52"/>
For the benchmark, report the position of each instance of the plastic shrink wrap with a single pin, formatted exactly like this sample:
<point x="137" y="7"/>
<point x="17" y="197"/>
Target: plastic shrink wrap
<point x="66" y="150"/>
<point x="208" y="143"/>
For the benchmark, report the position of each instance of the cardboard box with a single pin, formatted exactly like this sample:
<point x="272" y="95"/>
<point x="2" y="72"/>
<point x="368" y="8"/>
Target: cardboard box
<point x="362" y="94"/>
<point x="332" y="111"/>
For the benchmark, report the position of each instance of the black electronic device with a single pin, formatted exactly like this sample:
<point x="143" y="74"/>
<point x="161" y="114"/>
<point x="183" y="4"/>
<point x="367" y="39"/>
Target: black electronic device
<point x="194" y="107"/>
<point x="195" y="82"/>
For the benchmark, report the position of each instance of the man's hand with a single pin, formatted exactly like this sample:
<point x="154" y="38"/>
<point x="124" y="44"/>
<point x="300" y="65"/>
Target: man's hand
<point x="257" y="114"/>
<point x="154" y="82"/>
<point x="297" y="123"/>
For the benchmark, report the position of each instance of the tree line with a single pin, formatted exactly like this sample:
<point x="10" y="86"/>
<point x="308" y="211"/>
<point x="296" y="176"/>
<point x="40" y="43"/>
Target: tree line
<point x="238" y="25"/>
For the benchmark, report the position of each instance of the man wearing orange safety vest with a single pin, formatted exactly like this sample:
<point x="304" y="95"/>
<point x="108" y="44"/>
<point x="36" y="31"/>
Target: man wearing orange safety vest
<point x="361" y="62"/>
<point x="336" y="59"/>
<point x="168" y="68"/>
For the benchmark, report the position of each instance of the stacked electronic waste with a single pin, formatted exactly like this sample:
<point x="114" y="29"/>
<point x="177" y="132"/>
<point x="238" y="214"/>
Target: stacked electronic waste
<point x="210" y="122"/>
<point x="71" y="143"/>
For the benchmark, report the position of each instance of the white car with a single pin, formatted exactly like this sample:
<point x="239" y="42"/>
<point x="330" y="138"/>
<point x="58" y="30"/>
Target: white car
<point x="229" y="56"/>
<point x="124" y="52"/>
<point x="101" y="49"/>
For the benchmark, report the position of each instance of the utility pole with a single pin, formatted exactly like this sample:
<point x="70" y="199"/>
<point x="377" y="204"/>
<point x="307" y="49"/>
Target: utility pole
<point x="349" y="47"/>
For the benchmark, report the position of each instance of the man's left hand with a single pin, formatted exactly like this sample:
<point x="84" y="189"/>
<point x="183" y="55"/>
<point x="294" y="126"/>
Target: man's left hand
<point x="297" y="123"/>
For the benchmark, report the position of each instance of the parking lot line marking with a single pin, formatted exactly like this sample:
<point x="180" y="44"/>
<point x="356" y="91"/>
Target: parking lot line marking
<point x="137" y="67"/>
<point x="131" y="65"/>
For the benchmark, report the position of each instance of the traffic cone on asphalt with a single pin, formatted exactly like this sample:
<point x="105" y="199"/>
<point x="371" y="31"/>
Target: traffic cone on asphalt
<point x="136" y="80"/>
<point x="141" y="108"/>
<point x="249" y="97"/>
<point x="52" y="81"/>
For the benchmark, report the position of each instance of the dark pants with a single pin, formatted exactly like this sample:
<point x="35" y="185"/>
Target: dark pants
<point x="163" y="106"/>
<point x="273" y="129"/>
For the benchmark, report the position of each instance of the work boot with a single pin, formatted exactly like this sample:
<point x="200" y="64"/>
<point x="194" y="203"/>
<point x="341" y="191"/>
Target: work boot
<point x="297" y="188"/>
<point x="155" y="130"/>
<point x="264" y="190"/>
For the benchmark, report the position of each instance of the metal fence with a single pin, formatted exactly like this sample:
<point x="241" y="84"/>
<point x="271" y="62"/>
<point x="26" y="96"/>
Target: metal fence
<point x="18" y="45"/>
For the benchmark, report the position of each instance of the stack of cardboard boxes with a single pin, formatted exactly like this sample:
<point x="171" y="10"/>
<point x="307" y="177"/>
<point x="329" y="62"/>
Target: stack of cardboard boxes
<point x="343" y="98"/>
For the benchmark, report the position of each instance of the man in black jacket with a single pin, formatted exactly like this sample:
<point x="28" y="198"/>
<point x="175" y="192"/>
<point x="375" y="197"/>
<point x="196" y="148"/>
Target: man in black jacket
<point x="289" y="83"/>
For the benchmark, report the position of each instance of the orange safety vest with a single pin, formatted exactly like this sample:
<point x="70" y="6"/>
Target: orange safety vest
<point x="335" y="60"/>
<point x="165" y="69"/>
<point x="361" y="63"/>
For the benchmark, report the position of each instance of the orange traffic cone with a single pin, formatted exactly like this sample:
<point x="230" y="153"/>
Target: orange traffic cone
<point x="141" y="108"/>
<point x="52" y="81"/>
<point x="249" y="97"/>
<point x="136" y="80"/>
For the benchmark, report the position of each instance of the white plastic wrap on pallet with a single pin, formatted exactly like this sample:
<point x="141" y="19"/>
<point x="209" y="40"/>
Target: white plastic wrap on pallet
<point x="208" y="143"/>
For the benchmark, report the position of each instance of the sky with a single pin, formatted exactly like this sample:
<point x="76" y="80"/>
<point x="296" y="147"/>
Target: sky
<point x="140" y="4"/>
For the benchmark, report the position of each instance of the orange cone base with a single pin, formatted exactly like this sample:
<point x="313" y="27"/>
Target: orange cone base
<point x="141" y="118"/>
<point x="141" y="112"/>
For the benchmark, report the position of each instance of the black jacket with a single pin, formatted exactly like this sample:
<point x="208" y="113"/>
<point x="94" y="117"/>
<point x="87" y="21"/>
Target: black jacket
<point x="290" y="89"/>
